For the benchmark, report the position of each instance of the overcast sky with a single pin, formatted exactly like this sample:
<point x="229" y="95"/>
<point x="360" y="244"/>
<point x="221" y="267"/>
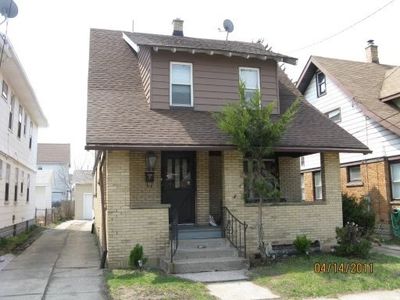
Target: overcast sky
<point x="51" y="38"/>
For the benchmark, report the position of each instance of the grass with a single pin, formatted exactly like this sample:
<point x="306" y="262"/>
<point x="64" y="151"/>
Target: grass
<point x="295" y="278"/>
<point x="16" y="244"/>
<point x="127" y="284"/>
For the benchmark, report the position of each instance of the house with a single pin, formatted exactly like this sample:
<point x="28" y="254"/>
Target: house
<point x="163" y="167"/>
<point x="20" y="118"/>
<point x="56" y="157"/>
<point x="82" y="194"/>
<point x="43" y="192"/>
<point x="364" y="99"/>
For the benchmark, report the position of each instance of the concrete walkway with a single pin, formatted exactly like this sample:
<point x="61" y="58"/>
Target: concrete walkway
<point x="391" y="250"/>
<point x="62" y="264"/>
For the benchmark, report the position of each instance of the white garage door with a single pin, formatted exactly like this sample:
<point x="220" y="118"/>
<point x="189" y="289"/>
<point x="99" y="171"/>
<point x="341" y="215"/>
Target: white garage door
<point x="87" y="206"/>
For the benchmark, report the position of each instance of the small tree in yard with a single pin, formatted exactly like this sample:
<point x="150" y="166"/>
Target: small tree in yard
<point x="252" y="129"/>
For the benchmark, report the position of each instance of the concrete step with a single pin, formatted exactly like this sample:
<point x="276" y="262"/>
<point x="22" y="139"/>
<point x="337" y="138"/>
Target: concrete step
<point x="193" y="253"/>
<point x="209" y="264"/>
<point x="203" y="243"/>
<point x="199" y="232"/>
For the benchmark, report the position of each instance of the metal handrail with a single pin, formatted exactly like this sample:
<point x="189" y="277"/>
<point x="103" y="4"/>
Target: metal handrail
<point x="235" y="231"/>
<point x="174" y="239"/>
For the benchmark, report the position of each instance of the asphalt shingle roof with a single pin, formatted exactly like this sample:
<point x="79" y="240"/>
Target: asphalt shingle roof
<point x="119" y="116"/>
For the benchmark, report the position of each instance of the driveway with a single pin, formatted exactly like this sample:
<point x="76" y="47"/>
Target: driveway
<point x="62" y="264"/>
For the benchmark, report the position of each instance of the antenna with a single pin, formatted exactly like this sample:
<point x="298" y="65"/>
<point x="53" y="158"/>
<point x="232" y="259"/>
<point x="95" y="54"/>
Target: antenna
<point x="8" y="9"/>
<point x="228" y="26"/>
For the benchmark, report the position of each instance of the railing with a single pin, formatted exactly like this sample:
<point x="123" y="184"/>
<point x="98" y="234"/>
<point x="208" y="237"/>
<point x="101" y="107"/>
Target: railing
<point x="235" y="231"/>
<point x="173" y="235"/>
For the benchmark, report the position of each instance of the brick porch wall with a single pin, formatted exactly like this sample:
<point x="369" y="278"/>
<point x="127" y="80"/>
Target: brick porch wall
<point x="202" y="188"/>
<point x="283" y="222"/>
<point x="128" y="226"/>
<point x="290" y="182"/>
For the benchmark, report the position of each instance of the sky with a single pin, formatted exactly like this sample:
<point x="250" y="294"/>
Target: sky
<point x="51" y="38"/>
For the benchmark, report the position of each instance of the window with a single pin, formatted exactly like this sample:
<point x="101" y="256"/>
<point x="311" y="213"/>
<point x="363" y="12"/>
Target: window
<point x="22" y="182"/>
<point x="334" y="115"/>
<point x="181" y="85"/>
<point x="7" y="187"/>
<point x="20" y="112"/>
<point x="25" y="122"/>
<point x="303" y="194"/>
<point x="270" y="166"/>
<point x="317" y="185"/>
<point x="395" y="180"/>
<point x="30" y="134"/>
<point x="28" y="183"/>
<point x="321" y="84"/>
<point x="4" y="90"/>
<point x="302" y="163"/>
<point x="251" y="79"/>
<point x="16" y="185"/>
<point x="11" y="114"/>
<point x="354" y="173"/>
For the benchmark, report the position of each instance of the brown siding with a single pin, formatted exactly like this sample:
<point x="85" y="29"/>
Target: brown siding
<point x="144" y="60"/>
<point x="215" y="79"/>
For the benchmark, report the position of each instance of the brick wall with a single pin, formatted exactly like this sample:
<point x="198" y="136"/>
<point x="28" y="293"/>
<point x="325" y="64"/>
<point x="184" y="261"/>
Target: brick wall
<point x="202" y="193"/>
<point x="127" y="226"/>
<point x="215" y="185"/>
<point x="283" y="222"/>
<point x="290" y="183"/>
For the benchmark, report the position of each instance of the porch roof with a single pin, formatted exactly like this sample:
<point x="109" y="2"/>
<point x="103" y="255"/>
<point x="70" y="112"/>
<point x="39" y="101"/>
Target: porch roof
<point x="119" y="116"/>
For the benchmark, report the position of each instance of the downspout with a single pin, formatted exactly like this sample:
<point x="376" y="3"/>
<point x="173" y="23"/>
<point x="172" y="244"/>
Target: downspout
<point x="103" y="212"/>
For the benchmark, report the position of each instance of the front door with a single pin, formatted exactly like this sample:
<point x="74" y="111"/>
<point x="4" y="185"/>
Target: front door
<point x="179" y="184"/>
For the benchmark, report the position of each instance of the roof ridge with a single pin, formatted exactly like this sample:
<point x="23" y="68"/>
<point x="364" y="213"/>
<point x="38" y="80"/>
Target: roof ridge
<point x="352" y="61"/>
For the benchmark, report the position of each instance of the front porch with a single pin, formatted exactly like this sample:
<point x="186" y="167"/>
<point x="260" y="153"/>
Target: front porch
<point x="140" y="212"/>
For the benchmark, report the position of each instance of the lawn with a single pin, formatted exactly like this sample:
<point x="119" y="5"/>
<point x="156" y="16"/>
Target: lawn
<point x="18" y="243"/>
<point x="124" y="284"/>
<point x="295" y="277"/>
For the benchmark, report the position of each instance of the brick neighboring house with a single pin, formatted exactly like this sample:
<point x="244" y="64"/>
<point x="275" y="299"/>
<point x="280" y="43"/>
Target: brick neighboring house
<point x="161" y="159"/>
<point x="364" y="99"/>
<point x="20" y="118"/>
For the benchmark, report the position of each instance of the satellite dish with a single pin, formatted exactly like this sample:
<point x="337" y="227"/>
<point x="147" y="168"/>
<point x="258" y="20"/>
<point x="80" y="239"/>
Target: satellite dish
<point x="228" y="26"/>
<point x="8" y="8"/>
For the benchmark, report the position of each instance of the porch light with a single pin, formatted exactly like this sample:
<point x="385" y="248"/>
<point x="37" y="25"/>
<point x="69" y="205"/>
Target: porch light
<point x="150" y="158"/>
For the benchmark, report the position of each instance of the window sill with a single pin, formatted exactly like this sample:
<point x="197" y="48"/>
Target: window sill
<point x="395" y="202"/>
<point x="300" y="203"/>
<point x="354" y="184"/>
<point x="181" y="107"/>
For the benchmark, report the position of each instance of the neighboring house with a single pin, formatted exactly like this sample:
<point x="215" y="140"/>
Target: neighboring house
<point x="364" y="99"/>
<point x="20" y="117"/>
<point x="56" y="157"/>
<point x="43" y="191"/>
<point x="161" y="159"/>
<point x="82" y="194"/>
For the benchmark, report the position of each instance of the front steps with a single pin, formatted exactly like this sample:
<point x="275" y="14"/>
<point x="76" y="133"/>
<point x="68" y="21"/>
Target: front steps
<point x="204" y="255"/>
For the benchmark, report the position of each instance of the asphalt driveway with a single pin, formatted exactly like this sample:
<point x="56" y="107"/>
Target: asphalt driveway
<point x="62" y="264"/>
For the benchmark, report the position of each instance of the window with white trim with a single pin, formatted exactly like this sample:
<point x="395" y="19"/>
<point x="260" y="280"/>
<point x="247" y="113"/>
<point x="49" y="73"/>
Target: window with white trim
<point x="334" y="115"/>
<point x="28" y="184"/>
<point x="303" y="193"/>
<point x="321" y="84"/>
<point x="181" y="84"/>
<point x="16" y="185"/>
<point x="251" y="79"/>
<point x="395" y="180"/>
<point x="354" y="173"/>
<point x="11" y="113"/>
<point x="317" y="185"/>
<point x="30" y="134"/>
<point x="25" y="122"/>
<point x="20" y="112"/>
<point x="22" y="182"/>
<point x="4" y="90"/>
<point x="7" y="185"/>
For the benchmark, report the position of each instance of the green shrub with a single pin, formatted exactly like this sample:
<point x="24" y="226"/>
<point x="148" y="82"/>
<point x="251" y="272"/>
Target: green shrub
<point x="351" y="241"/>
<point x="356" y="210"/>
<point x="302" y="244"/>
<point x="135" y="256"/>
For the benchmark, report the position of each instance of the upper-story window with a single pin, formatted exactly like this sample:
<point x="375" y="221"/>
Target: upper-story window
<point x="181" y="84"/>
<point x="251" y="79"/>
<point x="321" y="84"/>
<point x="25" y="122"/>
<point x="11" y="114"/>
<point x="334" y="115"/>
<point x="20" y="112"/>
<point x="4" y="90"/>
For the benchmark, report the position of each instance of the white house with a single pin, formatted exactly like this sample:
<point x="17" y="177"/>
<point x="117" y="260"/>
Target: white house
<point x="43" y="191"/>
<point x="56" y="157"/>
<point x="364" y="99"/>
<point x="20" y="117"/>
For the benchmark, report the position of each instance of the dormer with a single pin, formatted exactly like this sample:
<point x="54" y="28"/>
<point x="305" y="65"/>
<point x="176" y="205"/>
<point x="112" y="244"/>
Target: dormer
<point x="181" y="72"/>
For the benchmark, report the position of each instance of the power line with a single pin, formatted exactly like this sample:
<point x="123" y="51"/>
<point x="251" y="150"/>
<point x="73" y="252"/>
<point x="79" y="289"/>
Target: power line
<point x="344" y="29"/>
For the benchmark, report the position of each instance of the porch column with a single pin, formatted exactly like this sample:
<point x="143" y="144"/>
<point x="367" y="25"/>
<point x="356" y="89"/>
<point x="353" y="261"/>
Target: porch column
<point x="117" y="180"/>
<point x="202" y="199"/>
<point x="330" y="177"/>
<point x="232" y="186"/>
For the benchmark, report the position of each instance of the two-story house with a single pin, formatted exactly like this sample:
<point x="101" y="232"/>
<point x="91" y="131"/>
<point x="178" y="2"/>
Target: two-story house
<point x="20" y="117"/>
<point x="57" y="159"/>
<point x="364" y="99"/>
<point x="163" y="167"/>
